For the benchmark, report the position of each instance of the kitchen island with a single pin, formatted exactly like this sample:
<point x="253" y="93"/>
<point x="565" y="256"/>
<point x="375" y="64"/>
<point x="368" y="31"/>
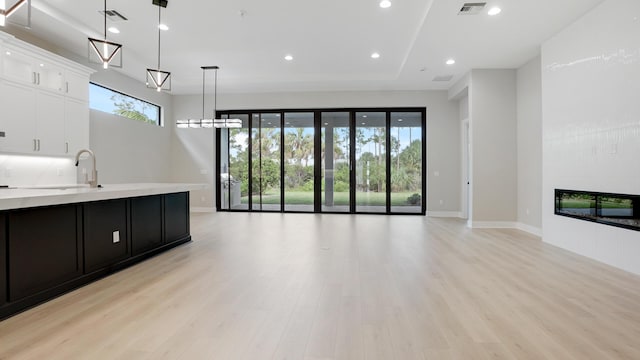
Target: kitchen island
<point x="56" y="238"/>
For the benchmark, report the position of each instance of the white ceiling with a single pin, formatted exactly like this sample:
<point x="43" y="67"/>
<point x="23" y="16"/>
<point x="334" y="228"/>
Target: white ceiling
<point x="331" y="40"/>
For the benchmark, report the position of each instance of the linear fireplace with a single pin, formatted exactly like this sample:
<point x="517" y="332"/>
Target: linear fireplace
<point x="611" y="209"/>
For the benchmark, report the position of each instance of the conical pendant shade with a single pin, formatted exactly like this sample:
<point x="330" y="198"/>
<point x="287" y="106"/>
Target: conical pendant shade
<point x="159" y="80"/>
<point x="10" y="7"/>
<point x="105" y="52"/>
<point x="156" y="78"/>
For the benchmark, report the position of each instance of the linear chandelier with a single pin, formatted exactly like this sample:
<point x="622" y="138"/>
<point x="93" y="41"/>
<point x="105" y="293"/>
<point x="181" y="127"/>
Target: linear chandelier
<point x="156" y="78"/>
<point x="105" y="52"/>
<point x="5" y="13"/>
<point x="208" y="123"/>
<point x="221" y="123"/>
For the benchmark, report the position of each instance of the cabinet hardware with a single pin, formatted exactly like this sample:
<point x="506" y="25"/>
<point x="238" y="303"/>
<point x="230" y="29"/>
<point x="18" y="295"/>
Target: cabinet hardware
<point x="67" y="87"/>
<point x="35" y="148"/>
<point x="66" y="147"/>
<point x="33" y="78"/>
<point x="38" y="78"/>
<point x="38" y="144"/>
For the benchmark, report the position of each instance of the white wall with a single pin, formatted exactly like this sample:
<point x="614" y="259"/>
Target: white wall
<point x="128" y="150"/>
<point x="193" y="151"/>
<point x="591" y="126"/>
<point x="493" y="119"/>
<point x="529" y="139"/>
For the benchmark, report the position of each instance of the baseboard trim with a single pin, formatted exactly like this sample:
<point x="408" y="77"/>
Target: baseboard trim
<point x="202" y="209"/>
<point x="530" y="229"/>
<point x="493" y="225"/>
<point x="507" y="225"/>
<point x="446" y="214"/>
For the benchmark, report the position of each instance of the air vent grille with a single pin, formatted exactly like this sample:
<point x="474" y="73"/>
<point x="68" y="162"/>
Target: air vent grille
<point x="472" y="8"/>
<point x="114" y="15"/>
<point x="443" y="78"/>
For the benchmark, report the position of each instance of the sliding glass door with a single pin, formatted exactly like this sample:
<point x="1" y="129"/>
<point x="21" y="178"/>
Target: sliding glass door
<point x="371" y="162"/>
<point x="406" y="162"/>
<point x="335" y="176"/>
<point x="299" y="134"/>
<point x="333" y="161"/>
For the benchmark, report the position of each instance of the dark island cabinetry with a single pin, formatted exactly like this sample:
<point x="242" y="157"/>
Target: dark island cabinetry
<point x="146" y="223"/>
<point x="47" y="251"/>
<point x="105" y="233"/>
<point x="3" y="259"/>
<point x="44" y="249"/>
<point x="176" y="216"/>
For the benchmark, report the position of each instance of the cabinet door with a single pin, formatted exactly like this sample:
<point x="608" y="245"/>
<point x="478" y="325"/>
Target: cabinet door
<point x="18" y="67"/>
<point x="176" y="216"/>
<point x="105" y="234"/>
<point x="18" y="120"/>
<point x="77" y="86"/>
<point x="76" y="126"/>
<point x="49" y="76"/>
<point x="3" y="259"/>
<point x="146" y="223"/>
<point x="43" y="248"/>
<point x="50" y="109"/>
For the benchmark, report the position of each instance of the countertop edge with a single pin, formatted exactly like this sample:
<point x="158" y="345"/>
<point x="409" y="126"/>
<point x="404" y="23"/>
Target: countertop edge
<point x="12" y="199"/>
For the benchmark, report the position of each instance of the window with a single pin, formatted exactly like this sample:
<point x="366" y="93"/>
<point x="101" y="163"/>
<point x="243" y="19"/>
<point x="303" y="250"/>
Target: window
<point x="117" y="103"/>
<point x="323" y="160"/>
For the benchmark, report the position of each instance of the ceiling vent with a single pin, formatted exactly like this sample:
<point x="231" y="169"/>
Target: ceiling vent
<point x="113" y="15"/>
<point x="443" y="78"/>
<point x="472" y="8"/>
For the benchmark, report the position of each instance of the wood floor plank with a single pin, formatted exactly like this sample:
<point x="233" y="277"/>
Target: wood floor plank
<point x="305" y="286"/>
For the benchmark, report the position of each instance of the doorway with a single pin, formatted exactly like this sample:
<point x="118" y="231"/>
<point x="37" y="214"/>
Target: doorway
<point x="324" y="161"/>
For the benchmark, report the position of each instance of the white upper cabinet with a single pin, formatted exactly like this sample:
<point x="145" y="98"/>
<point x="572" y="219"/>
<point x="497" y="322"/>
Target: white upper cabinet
<point x="76" y="85"/>
<point x="45" y="101"/>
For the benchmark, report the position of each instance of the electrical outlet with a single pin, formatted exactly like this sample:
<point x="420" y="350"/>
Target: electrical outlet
<point x="436" y="173"/>
<point x="441" y="202"/>
<point x="116" y="236"/>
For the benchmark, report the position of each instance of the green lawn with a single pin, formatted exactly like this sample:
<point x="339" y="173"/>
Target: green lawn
<point x="339" y="198"/>
<point x="585" y="204"/>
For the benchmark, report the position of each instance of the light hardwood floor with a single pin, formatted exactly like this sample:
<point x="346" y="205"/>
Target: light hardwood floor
<point x="296" y="286"/>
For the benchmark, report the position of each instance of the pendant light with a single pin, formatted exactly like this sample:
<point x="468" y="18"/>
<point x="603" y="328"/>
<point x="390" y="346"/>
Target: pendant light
<point x="213" y="122"/>
<point x="105" y="52"/>
<point x="156" y="78"/>
<point x="5" y="13"/>
<point x="222" y="123"/>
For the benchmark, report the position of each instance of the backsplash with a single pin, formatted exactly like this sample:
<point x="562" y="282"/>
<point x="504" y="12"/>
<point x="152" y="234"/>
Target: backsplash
<point x="23" y="170"/>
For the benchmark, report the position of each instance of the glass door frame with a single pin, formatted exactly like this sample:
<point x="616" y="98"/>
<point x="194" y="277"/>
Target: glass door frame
<point x="317" y="170"/>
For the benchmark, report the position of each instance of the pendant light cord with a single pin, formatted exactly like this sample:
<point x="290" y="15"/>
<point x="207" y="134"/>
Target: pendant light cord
<point x="105" y="20"/>
<point x="215" y="93"/>
<point x="203" y="72"/>
<point x="159" y="32"/>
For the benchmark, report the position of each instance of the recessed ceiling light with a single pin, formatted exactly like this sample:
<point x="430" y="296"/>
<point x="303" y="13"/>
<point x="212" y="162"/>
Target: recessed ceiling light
<point x="375" y="55"/>
<point x="451" y="62"/>
<point x="494" y="11"/>
<point x="41" y="65"/>
<point x="363" y="123"/>
<point x="385" y="4"/>
<point x="399" y="119"/>
<point x="325" y="124"/>
<point x="364" y="116"/>
<point x="114" y="30"/>
<point x="288" y="57"/>
<point x="163" y="27"/>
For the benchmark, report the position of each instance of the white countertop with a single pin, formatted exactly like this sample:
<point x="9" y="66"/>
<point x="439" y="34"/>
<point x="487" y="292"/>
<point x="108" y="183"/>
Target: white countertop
<point x="27" y="197"/>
